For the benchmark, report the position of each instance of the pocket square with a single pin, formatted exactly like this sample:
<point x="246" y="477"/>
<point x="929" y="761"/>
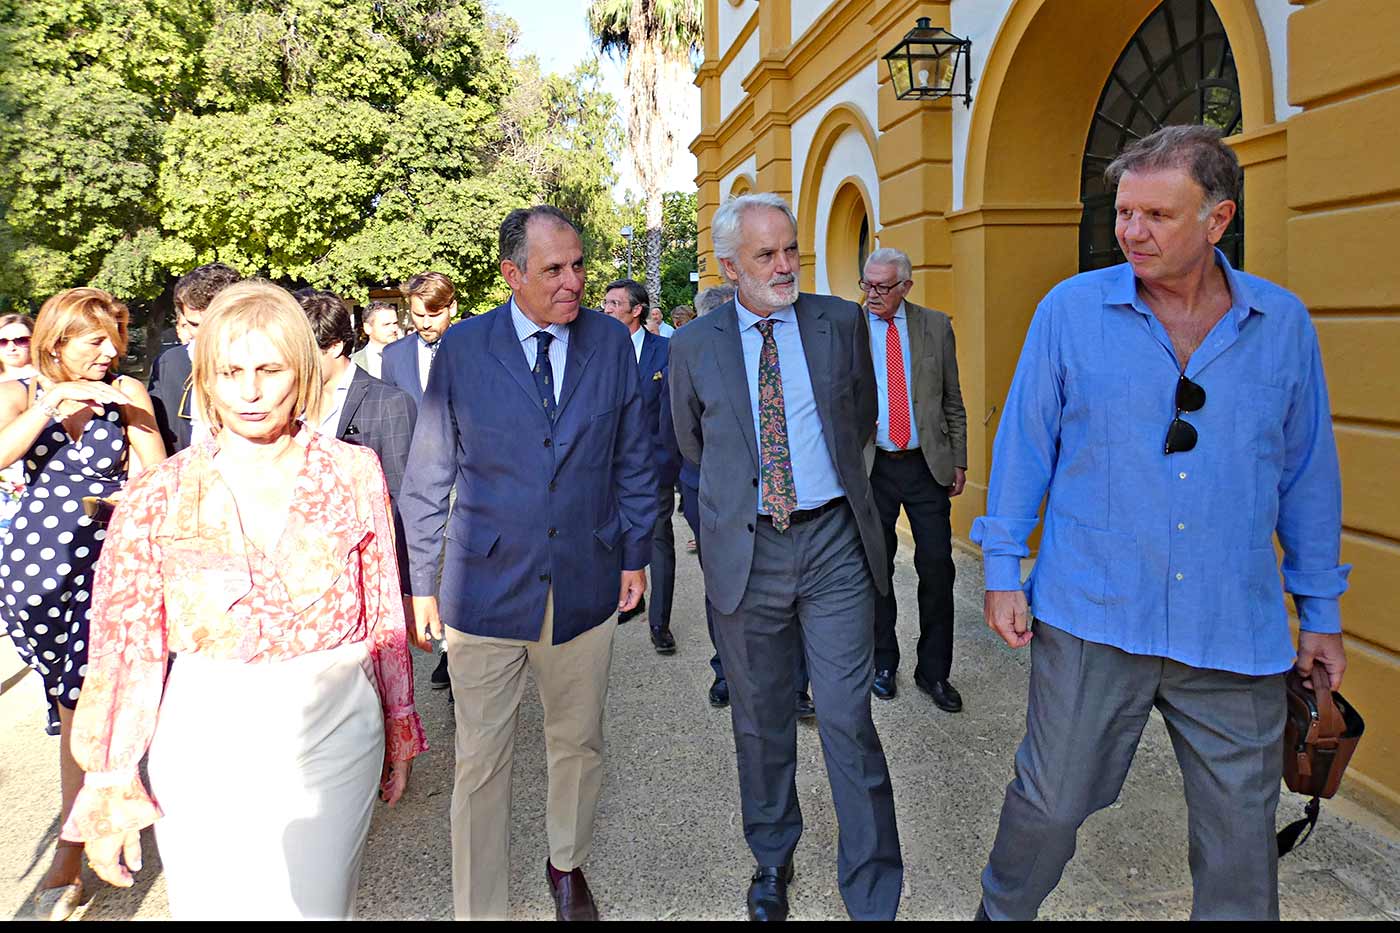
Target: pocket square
<point x="351" y="431"/>
<point x="656" y="377"/>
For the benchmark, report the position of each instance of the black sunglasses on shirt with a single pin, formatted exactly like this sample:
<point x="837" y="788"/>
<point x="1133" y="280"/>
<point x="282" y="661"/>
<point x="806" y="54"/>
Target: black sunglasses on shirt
<point x="1181" y="435"/>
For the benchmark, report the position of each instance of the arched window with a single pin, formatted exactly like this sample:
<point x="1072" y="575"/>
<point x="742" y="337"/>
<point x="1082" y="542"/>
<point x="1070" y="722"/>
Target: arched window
<point x="863" y="249"/>
<point x="1177" y="69"/>
<point x="847" y="240"/>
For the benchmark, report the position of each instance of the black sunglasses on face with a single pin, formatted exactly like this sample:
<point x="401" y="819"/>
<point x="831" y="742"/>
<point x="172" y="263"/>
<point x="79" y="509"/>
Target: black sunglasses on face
<point x="1181" y="436"/>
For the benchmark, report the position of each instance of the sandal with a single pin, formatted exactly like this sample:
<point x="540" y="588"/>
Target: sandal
<point x="59" y="903"/>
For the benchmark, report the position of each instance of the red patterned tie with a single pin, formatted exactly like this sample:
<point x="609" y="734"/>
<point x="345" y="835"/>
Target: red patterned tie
<point x="898" y="391"/>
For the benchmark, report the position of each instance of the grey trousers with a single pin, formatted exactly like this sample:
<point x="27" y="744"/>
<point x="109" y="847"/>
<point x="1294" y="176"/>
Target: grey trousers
<point x="810" y="591"/>
<point x="663" y="561"/>
<point x="1087" y="709"/>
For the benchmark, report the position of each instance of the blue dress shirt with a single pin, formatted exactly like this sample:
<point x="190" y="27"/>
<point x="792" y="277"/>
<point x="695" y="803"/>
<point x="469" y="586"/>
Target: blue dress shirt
<point x="813" y="473"/>
<point x="526" y="329"/>
<point x="1170" y="554"/>
<point x="879" y="333"/>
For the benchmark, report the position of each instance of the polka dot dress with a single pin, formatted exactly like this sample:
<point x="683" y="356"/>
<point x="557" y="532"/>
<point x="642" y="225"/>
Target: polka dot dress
<point x="51" y="548"/>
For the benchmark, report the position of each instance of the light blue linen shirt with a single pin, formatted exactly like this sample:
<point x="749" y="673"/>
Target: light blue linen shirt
<point x="879" y="333"/>
<point x="526" y="329"/>
<point x="813" y="473"/>
<point x="1170" y="554"/>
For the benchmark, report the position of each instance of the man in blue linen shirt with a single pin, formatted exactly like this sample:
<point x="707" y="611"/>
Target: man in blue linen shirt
<point x="1174" y="410"/>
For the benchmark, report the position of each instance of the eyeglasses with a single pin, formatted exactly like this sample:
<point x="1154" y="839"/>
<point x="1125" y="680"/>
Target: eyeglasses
<point x="21" y="342"/>
<point x="1181" y="436"/>
<point x="881" y="290"/>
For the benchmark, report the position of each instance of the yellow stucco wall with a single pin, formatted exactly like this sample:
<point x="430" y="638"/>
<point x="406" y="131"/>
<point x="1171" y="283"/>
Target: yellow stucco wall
<point x="1322" y="217"/>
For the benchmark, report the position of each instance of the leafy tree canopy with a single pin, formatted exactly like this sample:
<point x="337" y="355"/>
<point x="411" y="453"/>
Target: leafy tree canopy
<point x="337" y="143"/>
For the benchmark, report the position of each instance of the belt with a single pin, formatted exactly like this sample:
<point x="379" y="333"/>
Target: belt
<point x="806" y="515"/>
<point x="898" y="454"/>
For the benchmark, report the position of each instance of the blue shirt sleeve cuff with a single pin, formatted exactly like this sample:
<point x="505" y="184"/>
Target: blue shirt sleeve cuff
<point x="1002" y="571"/>
<point x="1318" y="614"/>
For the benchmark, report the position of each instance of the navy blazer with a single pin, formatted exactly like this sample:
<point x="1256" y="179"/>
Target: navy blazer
<point x="171" y="397"/>
<point x="401" y="367"/>
<point x="568" y="504"/>
<point x="654" y="367"/>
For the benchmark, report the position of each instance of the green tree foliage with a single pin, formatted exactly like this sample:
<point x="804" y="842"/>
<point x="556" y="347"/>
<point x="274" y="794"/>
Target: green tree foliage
<point x="337" y="143"/>
<point x="679" y="256"/>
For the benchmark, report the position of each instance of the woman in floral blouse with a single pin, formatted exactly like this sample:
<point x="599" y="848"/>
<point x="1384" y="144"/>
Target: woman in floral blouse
<point x="263" y="560"/>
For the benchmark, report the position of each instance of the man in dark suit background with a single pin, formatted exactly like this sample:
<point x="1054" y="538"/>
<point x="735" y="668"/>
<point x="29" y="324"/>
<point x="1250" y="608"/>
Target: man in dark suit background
<point x="626" y="300"/>
<point x="169" y="384"/>
<point x="533" y="414"/>
<point x="774" y="397"/>
<point x="432" y="304"/>
<point x="406" y="363"/>
<point x="918" y="461"/>
<point x="358" y="408"/>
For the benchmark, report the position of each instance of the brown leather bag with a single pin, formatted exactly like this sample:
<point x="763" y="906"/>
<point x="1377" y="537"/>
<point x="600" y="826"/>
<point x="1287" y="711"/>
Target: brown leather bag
<point x="1319" y="736"/>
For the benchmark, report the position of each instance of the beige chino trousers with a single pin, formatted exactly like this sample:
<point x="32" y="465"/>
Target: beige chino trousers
<point x="488" y="680"/>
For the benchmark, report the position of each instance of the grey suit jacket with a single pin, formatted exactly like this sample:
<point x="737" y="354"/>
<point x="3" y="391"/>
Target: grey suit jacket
<point x="714" y="428"/>
<point x="362" y="359"/>
<point x="935" y="393"/>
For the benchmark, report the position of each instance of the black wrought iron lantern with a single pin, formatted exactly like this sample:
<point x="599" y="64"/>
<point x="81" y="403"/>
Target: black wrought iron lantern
<point x="930" y="62"/>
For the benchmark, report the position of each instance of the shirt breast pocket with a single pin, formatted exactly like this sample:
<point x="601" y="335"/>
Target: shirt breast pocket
<point x="1259" y="421"/>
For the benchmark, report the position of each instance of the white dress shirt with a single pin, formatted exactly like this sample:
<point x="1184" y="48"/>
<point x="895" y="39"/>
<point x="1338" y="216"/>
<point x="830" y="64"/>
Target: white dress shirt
<point x="425" y="362"/>
<point x="339" y="391"/>
<point x="637" y="339"/>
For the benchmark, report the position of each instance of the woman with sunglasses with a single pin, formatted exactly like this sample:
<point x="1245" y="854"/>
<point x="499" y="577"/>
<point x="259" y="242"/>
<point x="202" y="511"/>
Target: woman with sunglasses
<point x="77" y="430"/>
<point x="15" y="330"/>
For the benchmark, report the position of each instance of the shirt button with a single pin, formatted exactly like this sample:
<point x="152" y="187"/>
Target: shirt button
<point x="550" y="443"/>
<point x="552" y="532"/>
<point x="1179" y="475"/>
<point x="755" y="482"/>
<point x="751" y="528"/>
<point x="1180" y="526"/>
<point x="1181" y="576"/>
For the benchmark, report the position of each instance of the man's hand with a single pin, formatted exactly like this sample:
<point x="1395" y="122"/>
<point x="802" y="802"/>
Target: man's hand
<point x="1009" y="616"/>
<point x="1325" y="651"/>
<point x="105" y="855"/>
<point x="959" y="481"/>
<point x="634" y="584"/>
<point x="425" y="622"/>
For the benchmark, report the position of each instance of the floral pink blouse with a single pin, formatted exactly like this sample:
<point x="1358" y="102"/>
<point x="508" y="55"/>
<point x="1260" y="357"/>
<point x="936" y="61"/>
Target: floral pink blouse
<point x="176" y="575"/>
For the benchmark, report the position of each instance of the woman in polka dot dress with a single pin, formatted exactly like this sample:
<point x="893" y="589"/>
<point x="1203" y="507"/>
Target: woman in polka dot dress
<point x="79" y="430"/>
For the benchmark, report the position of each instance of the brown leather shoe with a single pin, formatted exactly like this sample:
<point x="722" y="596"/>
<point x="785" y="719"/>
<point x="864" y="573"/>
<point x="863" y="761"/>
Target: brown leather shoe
<point x="572" y="899"/>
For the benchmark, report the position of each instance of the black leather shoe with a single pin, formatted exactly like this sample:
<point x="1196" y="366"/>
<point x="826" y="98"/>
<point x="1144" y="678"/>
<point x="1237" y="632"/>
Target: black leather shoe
<point x="883" y="686"/>
<point x="945" y="697"/>
<point x="806" y="709"/>
<point x="440" y="679"/>
<point x="624" y="617"/>
<point x="719" y="693"/>
<point x="663" y="641"/>
<point x="768" y="899"/>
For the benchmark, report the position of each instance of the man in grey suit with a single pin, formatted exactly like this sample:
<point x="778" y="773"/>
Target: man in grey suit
<point x="774" y="397"/>
<point x="918" y="461"/>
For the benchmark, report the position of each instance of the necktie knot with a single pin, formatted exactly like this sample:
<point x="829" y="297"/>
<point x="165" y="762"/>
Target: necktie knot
<point x="765" y="328"/>
<point x="544" y="371"/>
<point x="543" y="339"/>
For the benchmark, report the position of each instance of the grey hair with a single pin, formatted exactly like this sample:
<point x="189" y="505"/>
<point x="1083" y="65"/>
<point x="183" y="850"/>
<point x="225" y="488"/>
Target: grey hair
<point x="1197" y="149"/>
<point x="712" y="298"/>
<point x="889" y="256"/>
<point x="514" y="243"/>
<point x="724" y="229"/>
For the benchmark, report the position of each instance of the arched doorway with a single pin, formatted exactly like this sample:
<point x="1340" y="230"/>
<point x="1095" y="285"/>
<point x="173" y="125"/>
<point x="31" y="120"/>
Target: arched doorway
<point x="847" y="240"/>
<point x="1178" y="68"/>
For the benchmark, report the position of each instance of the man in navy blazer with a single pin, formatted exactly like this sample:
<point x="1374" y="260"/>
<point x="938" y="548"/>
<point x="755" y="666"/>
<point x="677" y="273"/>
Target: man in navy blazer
<point x="432" y="303"/>
<point x="533" y="414"/>
<point x="626" y="300"/>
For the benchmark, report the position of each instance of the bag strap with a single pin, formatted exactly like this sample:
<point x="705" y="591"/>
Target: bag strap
<point x="1330" y="723"/>
<point x="1288" y="837"/>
